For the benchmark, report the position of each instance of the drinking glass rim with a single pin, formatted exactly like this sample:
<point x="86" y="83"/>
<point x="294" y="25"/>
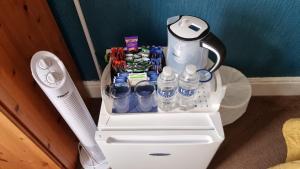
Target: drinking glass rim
<point x="143" y="81"/>
<point x="126" y="94"/>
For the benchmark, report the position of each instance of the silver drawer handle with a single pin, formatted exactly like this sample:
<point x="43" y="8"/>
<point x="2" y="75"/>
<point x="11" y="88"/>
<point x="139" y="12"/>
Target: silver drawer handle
<point x="179" y="139"/>
<point x="159" y="154"/>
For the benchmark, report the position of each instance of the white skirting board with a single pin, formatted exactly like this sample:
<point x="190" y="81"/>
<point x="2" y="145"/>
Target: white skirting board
<point x="275" y="86"/>
<point x="93" y="88"/>
<point x="261" y="86"/>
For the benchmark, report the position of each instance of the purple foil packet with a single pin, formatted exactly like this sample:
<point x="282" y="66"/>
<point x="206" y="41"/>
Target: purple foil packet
<point x="131" y="43"/>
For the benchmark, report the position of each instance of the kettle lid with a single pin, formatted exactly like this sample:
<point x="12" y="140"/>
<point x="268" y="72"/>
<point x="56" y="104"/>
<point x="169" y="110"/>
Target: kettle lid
<point x="189" y="28"/>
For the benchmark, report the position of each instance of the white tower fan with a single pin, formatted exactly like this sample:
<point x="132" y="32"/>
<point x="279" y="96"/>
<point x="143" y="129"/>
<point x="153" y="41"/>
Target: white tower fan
<point x="53" y="78"/>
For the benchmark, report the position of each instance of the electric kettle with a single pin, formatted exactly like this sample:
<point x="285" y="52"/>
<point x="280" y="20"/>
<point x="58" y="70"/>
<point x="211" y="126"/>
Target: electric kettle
<point x="189" y="42"/>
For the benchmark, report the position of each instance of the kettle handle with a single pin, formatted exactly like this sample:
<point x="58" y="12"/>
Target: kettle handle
<point x="214" y="44"/>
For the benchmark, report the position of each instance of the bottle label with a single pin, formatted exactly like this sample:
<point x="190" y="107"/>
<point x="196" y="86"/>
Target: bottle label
<point x="166" y="92"/>
<point x="186" y="92"/>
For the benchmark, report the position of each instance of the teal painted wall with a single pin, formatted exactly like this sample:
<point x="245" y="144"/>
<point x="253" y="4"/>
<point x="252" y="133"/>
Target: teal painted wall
<point x="262" y="37"/>
<point x="66" y="16"/>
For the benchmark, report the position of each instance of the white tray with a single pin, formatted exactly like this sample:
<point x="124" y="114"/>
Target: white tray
<point x="210" y="94"/>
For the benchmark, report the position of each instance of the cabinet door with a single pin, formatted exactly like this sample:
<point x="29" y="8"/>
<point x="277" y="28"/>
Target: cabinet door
<point x="160" y="151"/>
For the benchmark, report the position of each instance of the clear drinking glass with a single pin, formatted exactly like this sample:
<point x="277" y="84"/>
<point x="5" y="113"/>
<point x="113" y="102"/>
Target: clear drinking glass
<point x="204" y="75"/>
<point x="204" y="88"/>
<point x="145" y="92"/>
<point x="120" y="93"/>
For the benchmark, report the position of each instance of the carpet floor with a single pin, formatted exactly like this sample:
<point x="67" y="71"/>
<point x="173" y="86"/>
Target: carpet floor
<point x="255" y="141"/>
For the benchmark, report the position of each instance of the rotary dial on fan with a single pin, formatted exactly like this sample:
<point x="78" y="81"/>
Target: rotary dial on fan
<point x="51" y="77"/>
<point x="44" y="63"/>
<point x="49" y="72"/>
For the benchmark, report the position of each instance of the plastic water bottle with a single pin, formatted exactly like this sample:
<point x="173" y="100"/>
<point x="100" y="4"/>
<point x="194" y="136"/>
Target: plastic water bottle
<point x="188" y="83"/>
<point x="166" y="89"/>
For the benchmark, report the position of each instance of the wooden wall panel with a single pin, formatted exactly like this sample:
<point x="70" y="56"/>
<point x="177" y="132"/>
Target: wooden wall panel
<point x="18" y="151"/>
<point x="27" y="26"/>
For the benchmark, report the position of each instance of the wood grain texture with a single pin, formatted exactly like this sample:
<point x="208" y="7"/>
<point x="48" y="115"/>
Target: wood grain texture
<point x="18" y="151"/>
<point x="27" y="26"/>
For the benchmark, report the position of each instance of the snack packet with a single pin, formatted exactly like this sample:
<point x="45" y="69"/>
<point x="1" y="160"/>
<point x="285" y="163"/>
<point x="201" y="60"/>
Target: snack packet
<point x="131" y="43"/>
